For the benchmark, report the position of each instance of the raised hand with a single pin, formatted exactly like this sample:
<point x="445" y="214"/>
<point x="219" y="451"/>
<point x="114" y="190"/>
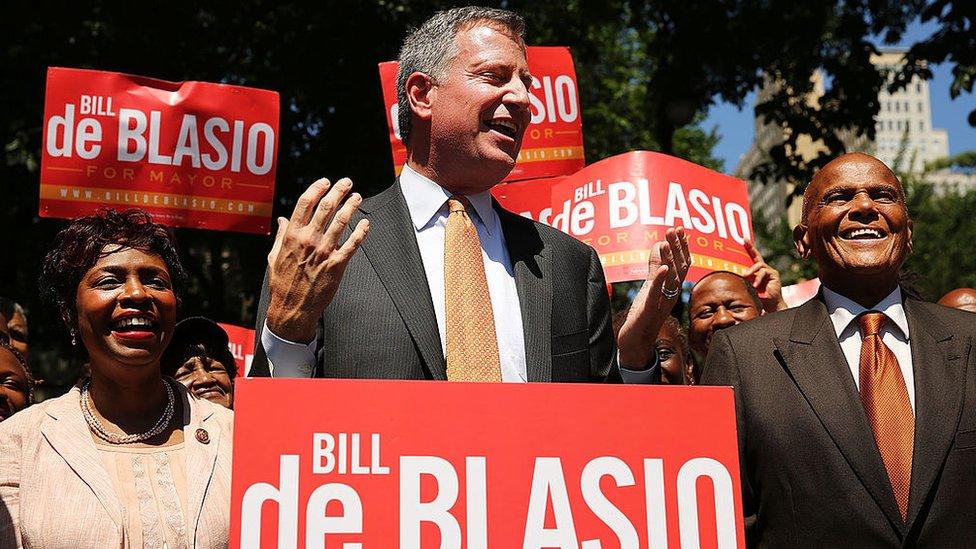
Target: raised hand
<point x="667" y="267"/>
<point x="307" y="260"/>
<point x="765" y="280"/>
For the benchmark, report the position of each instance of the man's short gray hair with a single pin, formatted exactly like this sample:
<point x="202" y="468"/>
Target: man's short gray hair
<point x="431" y="48"/>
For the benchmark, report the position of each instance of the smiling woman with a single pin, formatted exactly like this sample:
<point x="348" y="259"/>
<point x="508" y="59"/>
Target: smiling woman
<point x="127" y="457"/>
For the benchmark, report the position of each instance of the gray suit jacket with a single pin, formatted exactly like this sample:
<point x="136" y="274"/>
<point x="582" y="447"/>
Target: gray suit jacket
<point x="381" y="324"/>
<point x="811" y="471"/>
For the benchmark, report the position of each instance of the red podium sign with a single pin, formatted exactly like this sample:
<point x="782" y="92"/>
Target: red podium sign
<point x="192" y="154"/>
<point x="414" y="464"/>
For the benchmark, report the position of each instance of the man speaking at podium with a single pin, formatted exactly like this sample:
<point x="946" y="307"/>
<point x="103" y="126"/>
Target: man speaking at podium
<point x="448" y="285"/>
<point x="857" y="410"/>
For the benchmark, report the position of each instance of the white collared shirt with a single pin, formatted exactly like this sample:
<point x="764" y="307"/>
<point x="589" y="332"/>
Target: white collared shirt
<point x="427" y="204"/>
<point x="843" y="315"/>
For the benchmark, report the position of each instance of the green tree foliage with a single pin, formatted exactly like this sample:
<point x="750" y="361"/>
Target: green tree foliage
<point x="942" y="258"/>
<point x="964" y="161"/>
<point x="322" y="59"/>
<point x="775" y="241"/>
<point x="954" y="41"/>
<point x="647" y="72"/>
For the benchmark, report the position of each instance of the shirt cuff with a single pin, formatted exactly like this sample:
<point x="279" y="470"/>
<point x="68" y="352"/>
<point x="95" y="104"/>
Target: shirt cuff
<point x="287" y="358"/>
<point x="651" y="375"/>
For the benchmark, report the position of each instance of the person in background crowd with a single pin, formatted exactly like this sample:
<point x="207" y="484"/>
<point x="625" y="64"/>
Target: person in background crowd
<point x="677" y="368"/>
<point x="16" y="382"/>
<point x="450" y="285"/>
<point x="671" y="346"/>
<point x="127" y="458"/>
<point x="16" y="324"/>
<point x="4" y="335"/>
<point x="765" y="281"/>
<point x="719" y="300"/>
<point x="198" y="356"/>
<point x="856" y="411"/>
<point x="963" y="299"/>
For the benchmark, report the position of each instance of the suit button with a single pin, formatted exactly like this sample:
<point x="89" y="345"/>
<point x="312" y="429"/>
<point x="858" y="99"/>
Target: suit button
<point x="203" y="437"/>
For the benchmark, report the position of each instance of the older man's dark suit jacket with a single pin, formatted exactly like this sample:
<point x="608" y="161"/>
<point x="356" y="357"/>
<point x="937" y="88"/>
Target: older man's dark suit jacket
<point x="811" y="470"/>
<point x="381" y="323"/>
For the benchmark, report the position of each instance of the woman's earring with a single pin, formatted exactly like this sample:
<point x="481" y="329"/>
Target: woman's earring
<point x="74" y="340"/>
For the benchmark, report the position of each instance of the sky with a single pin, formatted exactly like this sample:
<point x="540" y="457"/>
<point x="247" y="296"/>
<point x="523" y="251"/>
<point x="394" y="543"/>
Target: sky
<point x="735" y="126"/>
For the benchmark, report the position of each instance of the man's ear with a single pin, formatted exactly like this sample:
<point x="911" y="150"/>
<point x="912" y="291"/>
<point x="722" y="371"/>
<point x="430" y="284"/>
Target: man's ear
<point x="421" y="93"/>
<point x="910" y="227"/>
<point x="801" y="240"/>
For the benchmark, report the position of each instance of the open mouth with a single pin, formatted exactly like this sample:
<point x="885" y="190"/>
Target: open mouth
<point x="209" y="393"/>
<point x="863" y="233"/>
<point x="507" y="128"/>
<point x="134" y="327"/>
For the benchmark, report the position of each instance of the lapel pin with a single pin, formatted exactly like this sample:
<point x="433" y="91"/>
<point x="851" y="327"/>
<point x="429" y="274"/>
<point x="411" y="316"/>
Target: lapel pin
<point x="203" y="437"/>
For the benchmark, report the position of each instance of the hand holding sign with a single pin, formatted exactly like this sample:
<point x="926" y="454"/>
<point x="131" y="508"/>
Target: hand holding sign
<point x="765" y="280"/>
<point x="666" y="270"/>
<point x="307" y="261"/>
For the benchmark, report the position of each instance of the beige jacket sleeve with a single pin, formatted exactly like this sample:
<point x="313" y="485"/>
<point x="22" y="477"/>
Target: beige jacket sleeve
<point x="10" y="456"/>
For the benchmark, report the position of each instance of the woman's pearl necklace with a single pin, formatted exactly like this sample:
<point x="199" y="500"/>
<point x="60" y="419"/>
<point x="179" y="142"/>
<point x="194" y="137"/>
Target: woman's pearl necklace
<point x="96" y="426"/>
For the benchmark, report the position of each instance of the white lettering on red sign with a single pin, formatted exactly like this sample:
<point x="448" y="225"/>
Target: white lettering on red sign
<point x="339" y="454"/>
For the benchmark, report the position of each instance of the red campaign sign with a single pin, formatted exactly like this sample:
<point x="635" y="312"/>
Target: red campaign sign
<point x="623" y="204"/>
<point x="193" y="154"/>
<point x="531" y="198"/>
<point x="241" y="343"/>
<point x="418" y="464"/>
<point x="553" y="142"/>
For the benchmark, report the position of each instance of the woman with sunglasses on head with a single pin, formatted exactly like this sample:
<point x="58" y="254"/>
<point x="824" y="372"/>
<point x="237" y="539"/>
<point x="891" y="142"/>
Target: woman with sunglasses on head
<point x="127" y="458"/>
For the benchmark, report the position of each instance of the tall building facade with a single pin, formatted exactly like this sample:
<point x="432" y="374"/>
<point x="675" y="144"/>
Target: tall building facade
<point x="905" y="139"/>
<point x="768" y="201"/>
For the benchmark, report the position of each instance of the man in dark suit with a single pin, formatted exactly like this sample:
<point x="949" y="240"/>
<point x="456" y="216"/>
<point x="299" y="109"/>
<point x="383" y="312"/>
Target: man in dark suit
<point x="857" y="410"/>
<point x="448" y="285"/>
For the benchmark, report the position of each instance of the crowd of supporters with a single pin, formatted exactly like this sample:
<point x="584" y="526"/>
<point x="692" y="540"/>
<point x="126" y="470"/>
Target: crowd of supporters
<point x="138" y="452"/>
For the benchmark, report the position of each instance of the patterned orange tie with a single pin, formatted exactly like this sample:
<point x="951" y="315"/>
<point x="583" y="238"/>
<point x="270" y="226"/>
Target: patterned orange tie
<point x="889" y="411"/>
<point x="472" y="349"/>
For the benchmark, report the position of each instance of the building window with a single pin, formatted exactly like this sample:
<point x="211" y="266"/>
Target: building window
<point x="918" y="87"/>
<point x="920" y="108"/>
<point x="906" y="106"/>
<point x="897" y="106"/>
<point x="921" y="125"/>
<point x="889" y="125"/>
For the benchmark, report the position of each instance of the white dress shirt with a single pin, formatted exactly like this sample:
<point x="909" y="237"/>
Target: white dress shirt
<point x="843" y="315"/>
<point x="427" y="205"/>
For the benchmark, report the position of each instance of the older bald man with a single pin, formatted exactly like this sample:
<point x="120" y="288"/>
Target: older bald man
<point x="856" y="410"/>
<point x="963" y="299"/>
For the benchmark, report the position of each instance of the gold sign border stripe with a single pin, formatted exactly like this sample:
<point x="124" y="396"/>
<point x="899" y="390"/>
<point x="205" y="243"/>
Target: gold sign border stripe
<point x="697" y="260"/>
<point x="53" y="192"/>
<point x="577" y="153"/>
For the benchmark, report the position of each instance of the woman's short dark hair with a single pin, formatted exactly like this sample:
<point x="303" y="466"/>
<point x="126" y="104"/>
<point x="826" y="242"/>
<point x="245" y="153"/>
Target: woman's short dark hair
<point x="175" y="357"/>
<point x="82" y="243"/>
<point x="197" y="336"/>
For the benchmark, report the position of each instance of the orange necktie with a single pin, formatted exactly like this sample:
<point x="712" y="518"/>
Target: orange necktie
<point x="472" y="349"/>
<point x="889" y="411"/>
